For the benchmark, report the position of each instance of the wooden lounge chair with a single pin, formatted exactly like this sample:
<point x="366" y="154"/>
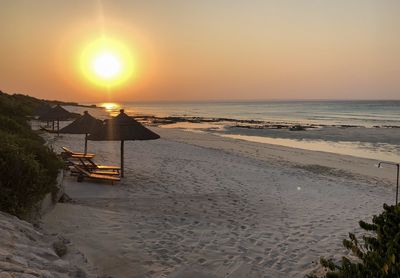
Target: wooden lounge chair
<point x="70" y="153"/>
<point x="70" y="159"/>
<point x="96" y="166"/>
<point x="90" y="165"/>
<point x="85" y="174"/>
<point x="89" y="169"/>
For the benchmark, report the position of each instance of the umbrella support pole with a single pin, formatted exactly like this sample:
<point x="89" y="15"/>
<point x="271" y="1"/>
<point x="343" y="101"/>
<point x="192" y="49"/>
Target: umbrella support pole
<point x="58" y="127"/>
<point x="86" y="143"/>
<point x="122" y="128"/>
<point x="122" y="158"/>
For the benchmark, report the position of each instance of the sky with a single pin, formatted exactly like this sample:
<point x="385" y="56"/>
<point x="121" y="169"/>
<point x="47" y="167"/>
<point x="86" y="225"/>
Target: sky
<point x="187" y="50"/>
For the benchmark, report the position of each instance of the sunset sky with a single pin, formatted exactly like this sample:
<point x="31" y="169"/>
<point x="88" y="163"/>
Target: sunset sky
<point x="204" y="50"/>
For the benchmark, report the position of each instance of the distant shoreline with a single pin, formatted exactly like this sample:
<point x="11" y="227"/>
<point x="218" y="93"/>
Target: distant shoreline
<point x="266" y="115"/>
<point x="248" y="124"/>
<point x="57" y="102"/>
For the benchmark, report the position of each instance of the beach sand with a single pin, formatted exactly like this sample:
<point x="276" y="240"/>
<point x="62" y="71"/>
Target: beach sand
<point x="199" y="205"/>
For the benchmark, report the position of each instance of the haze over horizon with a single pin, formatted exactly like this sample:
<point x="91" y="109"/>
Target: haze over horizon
<point x="204" y="50"/>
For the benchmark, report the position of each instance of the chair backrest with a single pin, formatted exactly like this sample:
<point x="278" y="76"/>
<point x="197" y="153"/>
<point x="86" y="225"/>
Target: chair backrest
<point x="87" y="164"/>
<point x="88" y="159"/>
<point x="67" y="150"/>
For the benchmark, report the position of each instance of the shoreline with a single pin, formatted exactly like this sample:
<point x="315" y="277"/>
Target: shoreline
<point x="246" y="123"/>
<point x="367" y="142"/>
<point x="377" y="142"/>
<point x="199" y="204"/>
<point x="360" y="166"/>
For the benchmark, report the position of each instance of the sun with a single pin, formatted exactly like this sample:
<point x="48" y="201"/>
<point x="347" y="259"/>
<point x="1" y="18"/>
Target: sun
<point x="107" y="65"/>
<point x="107" y="62"/>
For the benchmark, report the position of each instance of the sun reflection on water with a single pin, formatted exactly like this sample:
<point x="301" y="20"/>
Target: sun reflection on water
<point x="111" y="107"/>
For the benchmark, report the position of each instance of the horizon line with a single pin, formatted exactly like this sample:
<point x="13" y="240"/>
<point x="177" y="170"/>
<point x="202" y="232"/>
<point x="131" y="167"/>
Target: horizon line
<point x="238" y="100"/>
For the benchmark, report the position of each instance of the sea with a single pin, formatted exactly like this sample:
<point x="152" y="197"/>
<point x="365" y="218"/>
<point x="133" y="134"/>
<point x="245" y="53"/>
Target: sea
<point x="363" y="113"/>
<point x="375" y="123"/>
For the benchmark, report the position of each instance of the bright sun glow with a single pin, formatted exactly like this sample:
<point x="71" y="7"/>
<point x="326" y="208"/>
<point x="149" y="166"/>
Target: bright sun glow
<point x="107" y="65"/>
<point x="107" y="62"/>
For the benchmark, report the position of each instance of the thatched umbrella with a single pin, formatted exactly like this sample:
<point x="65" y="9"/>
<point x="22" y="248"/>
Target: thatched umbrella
<point x="42" y="109"/>
<point x="122" y="128"/>
<point x="85" y="124"/>
<point x="58" y="114"/>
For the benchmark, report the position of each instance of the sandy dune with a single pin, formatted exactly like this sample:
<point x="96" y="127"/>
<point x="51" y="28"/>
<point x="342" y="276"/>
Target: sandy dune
<point x="198" y="205"/>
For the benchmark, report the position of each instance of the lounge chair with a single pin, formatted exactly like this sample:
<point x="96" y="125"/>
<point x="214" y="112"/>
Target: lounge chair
<point x="85" y="174"/>
<point x="73" y="154"/>
<point x="92" y="164"/>
<point x="89" y="164"/>
<point x="90" y="169"/>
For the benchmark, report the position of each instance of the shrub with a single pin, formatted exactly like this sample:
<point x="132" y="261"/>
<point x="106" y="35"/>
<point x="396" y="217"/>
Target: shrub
<point x="28" y="168"/>
<point x="14" y="126"/>
<point x="28" y="171"/>
<point x="21" y="180"/>
<point x="379" y="253"/>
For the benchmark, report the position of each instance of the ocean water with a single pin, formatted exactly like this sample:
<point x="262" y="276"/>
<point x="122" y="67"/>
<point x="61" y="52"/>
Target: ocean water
<point x="361" y="113"/>
<point x="370" y="142"/>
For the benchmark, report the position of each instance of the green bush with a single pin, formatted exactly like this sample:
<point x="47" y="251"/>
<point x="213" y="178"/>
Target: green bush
<point x="21" y="180"/>
<point x="34" y="146"/>
<point x="379" y="253"/>
<point x="14" y="126"/>
<point x="28" y="168"/>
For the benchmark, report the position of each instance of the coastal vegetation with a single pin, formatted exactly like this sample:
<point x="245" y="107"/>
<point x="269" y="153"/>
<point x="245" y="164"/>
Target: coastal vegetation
<point x="377" y="255"/>
<point x="28" y="168"/>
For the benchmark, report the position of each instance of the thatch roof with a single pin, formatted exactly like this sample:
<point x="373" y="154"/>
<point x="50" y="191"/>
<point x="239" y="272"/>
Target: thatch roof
<point x="83" y="125"/>
<point x="122" y="128"/>
<point x="42" y="109"/>
<point x="56" y="113"/>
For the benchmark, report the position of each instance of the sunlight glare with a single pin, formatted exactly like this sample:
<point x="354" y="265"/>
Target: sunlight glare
<point x="107" y="62"/>
<point x="107" y="65"/>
